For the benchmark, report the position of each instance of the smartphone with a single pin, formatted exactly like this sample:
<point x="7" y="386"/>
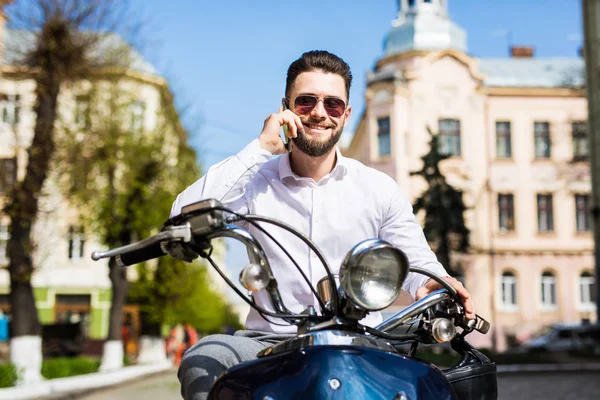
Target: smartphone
<point x="286" y="138"/>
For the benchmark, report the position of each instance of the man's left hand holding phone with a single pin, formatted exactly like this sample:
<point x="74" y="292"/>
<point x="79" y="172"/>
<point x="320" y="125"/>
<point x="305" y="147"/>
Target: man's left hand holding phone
<point x="270" y="137"/>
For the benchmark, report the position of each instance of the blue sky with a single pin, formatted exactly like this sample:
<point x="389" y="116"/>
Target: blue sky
<point x="226" y="60"/>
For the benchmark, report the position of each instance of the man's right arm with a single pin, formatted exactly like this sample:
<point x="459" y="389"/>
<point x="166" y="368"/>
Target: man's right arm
<point x="227" y="181"/>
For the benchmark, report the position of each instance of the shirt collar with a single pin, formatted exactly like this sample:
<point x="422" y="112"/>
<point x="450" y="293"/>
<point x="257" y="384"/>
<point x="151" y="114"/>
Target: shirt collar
<point x="339" y="170"/>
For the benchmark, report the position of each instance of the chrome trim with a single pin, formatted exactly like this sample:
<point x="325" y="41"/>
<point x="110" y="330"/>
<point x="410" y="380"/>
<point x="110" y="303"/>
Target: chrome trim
<point x="325" y="290"/>
<point x="412" y="310"/>
<point x="257" y="255"/>
<point x="327" y="338"/>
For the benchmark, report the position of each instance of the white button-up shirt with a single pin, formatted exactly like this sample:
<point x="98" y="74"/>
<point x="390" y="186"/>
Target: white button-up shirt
<point x="350" y="204"/>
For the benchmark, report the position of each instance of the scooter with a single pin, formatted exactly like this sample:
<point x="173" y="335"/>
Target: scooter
<point x="332" y="356"/>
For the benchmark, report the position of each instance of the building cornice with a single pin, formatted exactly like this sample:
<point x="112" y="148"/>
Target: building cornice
<point x="22" y="73"/>
<point x="530" y="252"/>
<point x="401" y="57"/>
<point x="470" y="62"/>
<point x="531" y="91"/>
<point x="432" y="56"/>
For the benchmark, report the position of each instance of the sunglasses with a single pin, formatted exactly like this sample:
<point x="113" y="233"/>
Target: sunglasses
<point x="305" y="103"/>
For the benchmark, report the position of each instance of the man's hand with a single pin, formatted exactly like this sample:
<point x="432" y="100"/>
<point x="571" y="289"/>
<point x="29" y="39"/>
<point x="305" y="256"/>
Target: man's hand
<point x="270" y="138"/>
<point x="432" y="286"/>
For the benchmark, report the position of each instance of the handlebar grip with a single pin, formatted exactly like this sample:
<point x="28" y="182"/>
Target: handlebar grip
<point x="135" y="257"/>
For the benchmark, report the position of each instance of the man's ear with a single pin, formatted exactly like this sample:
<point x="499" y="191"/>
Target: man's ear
<point x="347" y="114"/>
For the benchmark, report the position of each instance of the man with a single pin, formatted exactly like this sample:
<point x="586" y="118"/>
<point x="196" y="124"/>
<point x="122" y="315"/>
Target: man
<point x="336" y="201"/>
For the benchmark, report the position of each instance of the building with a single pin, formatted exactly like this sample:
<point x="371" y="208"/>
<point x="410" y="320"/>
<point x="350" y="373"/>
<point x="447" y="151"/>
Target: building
<point x="517" y="132"/>
<point x="68" y="285"/>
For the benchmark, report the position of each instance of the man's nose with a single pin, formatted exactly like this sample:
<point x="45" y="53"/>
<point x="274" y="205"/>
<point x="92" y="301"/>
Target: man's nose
<point x="319" y="111"/>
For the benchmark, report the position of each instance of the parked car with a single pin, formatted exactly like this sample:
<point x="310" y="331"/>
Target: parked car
<point x="563" y="337"/>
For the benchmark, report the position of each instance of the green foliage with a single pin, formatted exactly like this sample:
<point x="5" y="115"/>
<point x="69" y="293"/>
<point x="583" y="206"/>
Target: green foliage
<point x="443" y="205"/>
<point x="176" y="292"/>
<point x="124" y="180"/>
<point x="8" y="375"/>
<point x="64" y="367"/>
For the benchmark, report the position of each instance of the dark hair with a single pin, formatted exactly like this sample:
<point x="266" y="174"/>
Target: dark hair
<point x="318" y="60"/>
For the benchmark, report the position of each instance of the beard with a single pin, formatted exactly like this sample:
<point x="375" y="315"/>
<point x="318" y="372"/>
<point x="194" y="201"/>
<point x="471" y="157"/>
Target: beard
<point x="317" y="148"/>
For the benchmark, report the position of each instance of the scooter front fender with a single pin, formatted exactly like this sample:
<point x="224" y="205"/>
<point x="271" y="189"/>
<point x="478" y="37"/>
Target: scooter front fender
<point x="333" y="372"/>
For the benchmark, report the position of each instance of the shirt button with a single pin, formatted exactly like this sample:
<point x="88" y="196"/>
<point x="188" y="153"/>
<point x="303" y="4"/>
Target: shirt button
<point x="252" y="160"/>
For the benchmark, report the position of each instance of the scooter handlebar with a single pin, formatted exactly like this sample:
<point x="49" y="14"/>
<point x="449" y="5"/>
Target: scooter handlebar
<point x="138" y="256"/>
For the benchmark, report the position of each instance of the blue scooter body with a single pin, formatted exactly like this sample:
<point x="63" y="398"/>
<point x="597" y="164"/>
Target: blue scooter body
<point x="310" y="373"/>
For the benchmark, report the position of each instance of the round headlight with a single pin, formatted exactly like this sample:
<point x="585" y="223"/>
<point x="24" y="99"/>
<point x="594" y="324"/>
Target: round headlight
<point x="372" y="274"/>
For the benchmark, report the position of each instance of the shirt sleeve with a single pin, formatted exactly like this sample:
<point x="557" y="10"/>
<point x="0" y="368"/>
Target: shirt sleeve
<point x="400" y="228"/>
<point x="226" y="181"/>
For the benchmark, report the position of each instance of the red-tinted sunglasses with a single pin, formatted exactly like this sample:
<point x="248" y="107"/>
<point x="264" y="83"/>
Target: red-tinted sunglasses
<point x="305" y="103"/>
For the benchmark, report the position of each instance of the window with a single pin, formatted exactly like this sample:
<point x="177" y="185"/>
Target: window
<point x="11" y="108"/>
<point x="76" y="243"/>
<point x="74" y="309"/>
<point x="544" y="206"/>
<point x="82" y="111"/>
<point x="383" y="136"/>
<point x="503" y="148"/>
<point x="8" y="174"/>
<point x="582" y="213"/>
<point x="508" y="291"/>
<point x="136" y="110"/>
<point x="587" y="290"/>
<point x="449" y="136"/>
<point x="542" y="139"/>
<point x="4" y="236"/>
<point x="506" y="212"/>
<point x="580" y="141"/>
<point x="548" y="290"/>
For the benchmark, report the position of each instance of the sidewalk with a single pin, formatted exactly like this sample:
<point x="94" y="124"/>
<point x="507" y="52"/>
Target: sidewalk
<point x="511" y="368"/>
<point x="81" y="383"/>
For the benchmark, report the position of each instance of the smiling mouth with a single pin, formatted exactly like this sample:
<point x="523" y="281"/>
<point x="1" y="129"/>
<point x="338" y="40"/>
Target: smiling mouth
<point x="315" y="127"/>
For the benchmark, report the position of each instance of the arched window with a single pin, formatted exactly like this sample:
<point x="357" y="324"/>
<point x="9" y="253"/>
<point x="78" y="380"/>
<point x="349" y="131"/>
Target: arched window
<point x="508" y="291"/>
<point x="587" y="290"/>
<point x="548" y="290"/>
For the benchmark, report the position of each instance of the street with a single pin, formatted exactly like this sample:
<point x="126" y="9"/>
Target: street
<point x="518" y="386"/>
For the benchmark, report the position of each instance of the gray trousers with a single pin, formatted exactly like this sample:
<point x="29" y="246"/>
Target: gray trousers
<point x="202" y="364"/>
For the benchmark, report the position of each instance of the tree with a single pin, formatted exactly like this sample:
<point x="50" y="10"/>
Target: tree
<point x="444" y="209"/>
<point x="123" y="176"/>
<point x="174" y="292"/>
<point x="60" y="52"/>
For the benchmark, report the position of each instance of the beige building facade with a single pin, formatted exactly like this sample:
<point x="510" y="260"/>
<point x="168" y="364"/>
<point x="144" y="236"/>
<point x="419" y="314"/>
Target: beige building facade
<point x="68" y="285"/>
<point x="516" y="129"/>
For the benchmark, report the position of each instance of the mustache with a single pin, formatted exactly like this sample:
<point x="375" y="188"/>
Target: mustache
<point x="316" y="122"/>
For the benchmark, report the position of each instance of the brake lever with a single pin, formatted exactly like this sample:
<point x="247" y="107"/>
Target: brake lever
<point x="450" y="309"/>
<point x="478" y="324"/>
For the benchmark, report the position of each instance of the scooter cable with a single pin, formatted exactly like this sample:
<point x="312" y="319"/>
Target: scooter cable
<point x="200" y="251"/>
<point x="251" y="219"/>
